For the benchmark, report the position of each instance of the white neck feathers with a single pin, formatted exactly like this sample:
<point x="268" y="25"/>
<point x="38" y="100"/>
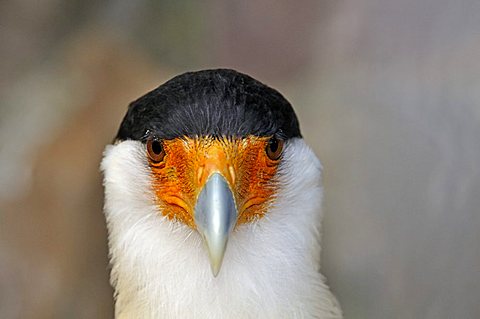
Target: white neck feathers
<point x="160" y="268"/>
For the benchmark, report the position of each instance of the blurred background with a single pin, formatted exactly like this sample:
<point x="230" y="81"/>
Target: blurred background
<point x="388" y="94"/>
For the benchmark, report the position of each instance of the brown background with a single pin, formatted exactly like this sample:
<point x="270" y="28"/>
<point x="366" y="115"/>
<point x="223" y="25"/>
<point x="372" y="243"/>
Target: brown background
<point x="387" y="92"/>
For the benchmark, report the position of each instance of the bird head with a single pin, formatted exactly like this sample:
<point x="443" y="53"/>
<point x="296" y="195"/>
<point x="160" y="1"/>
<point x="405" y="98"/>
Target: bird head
<point x="211" y="148"/>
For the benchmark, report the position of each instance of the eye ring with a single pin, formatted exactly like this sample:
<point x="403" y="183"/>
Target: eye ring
<point x="274" y="148"/>
<point x="155" y="150"/>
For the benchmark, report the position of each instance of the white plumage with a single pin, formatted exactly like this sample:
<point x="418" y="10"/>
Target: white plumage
<point x="160" y="268"/>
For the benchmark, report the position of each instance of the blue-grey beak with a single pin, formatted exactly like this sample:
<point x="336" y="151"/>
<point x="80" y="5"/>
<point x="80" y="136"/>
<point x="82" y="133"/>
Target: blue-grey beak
<point x="215" y="216"/>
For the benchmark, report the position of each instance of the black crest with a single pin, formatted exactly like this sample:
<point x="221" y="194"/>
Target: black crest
<point x="212" y="102"/>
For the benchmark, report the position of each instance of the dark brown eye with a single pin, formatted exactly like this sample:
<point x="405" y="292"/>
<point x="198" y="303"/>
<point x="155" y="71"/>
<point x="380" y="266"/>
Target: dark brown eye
<point x="274" y="148"/>
<point x="155" y="150"/>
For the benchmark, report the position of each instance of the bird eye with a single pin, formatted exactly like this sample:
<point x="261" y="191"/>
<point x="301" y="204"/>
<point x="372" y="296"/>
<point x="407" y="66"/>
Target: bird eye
<point x="274" y="148"/>
<point x="155" y="150"/>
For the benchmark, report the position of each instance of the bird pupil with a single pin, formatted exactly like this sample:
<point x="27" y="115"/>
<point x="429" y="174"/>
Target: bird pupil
<point x="273" y="145"/>
<point x="156" y="147"/>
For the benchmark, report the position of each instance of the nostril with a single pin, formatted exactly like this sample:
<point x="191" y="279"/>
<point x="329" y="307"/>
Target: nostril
<point x="200" y="171"/>
<point x="231" y="170"/>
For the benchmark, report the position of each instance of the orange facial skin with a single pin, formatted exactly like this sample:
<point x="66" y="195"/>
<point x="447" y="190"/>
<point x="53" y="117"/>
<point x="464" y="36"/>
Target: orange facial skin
<point x="188" y="163"/>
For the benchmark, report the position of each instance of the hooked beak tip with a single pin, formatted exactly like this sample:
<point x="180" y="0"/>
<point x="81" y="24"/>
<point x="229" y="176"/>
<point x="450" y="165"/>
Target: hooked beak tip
<point x="215" y="265"/>
<point x="216" y="246"/>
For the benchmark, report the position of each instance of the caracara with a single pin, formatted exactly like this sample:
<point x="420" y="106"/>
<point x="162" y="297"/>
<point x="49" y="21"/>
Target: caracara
<point x="213" y="205"/>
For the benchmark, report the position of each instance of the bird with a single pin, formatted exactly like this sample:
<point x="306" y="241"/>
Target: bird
<point x="213" y="204"/>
